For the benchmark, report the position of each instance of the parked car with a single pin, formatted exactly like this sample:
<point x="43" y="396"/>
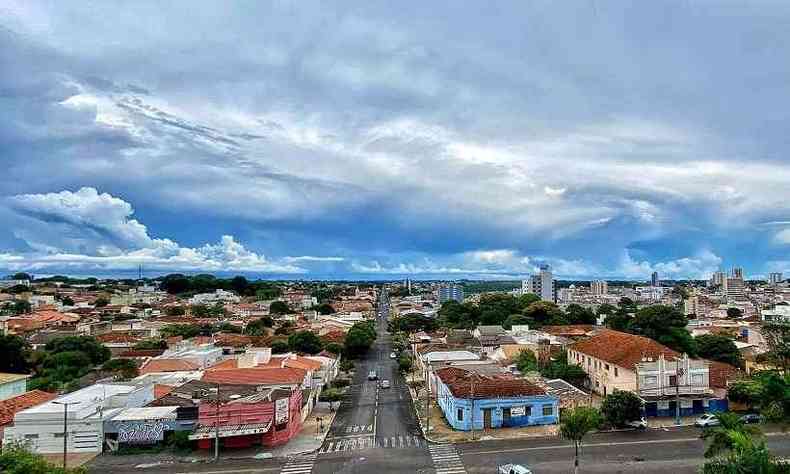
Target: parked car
<point x="750" y="418"/>
<point x="393" y="355"/>
<point x="372" y="375"/>
<point x="385" y="384"/>
<point x="639" y="424"/>
<point x="707" y="420"/>
<point x="514" y="469"/>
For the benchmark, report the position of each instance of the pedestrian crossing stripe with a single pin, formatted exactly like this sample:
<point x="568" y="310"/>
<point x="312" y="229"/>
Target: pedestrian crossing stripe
<point x="446" y="460"/>
<point x="359" y="428"/>
<point x="369" y="442"/>
<point x="299" y="465"/>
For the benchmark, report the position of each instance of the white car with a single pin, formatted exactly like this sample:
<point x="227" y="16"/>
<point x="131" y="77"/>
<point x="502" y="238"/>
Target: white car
<point x="707" y="420"/>
<point x="393" y="356"/>
<point x="385" y="384"/>
<point x="639" y="424"/>
<point x="514" y="469"/>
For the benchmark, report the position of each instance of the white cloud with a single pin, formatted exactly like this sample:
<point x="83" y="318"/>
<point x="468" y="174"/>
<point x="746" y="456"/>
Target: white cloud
<point x="700" y="266"/>
<point x="782" y="237"/>
<point x="88" y="230"/>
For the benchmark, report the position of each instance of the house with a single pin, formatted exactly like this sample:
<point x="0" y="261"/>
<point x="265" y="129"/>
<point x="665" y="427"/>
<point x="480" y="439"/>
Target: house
<point x="11" y="406"/>
<point x="12" y="385"/>
<point x="144" y="426"/>
<point x="268" y="418"/>
<point x="41" y="426"/>
<point x="473" y="401"/>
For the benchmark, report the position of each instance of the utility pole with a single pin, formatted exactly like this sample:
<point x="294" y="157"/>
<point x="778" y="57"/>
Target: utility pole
<point x="678" y="372"/>
<point x="472" y="390"/>
<point x="65" y="427"/>
<point x="216" y="428"/>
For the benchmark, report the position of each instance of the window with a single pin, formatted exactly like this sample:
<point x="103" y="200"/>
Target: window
<point x="615" y="372"/>
<point x="57" y="435"/>
<point x="31" y="436"/>
<point x="460" y="414"/>
<point x="650" y="380"/>
<point x="673" y="380"/>
<point x="548" y="410"/>
<point x="607" y="367"/>
<point x="697" y="380"/>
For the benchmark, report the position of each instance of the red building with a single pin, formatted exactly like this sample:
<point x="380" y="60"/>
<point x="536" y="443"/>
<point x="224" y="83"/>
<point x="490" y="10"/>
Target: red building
<point x="267" y="418"/>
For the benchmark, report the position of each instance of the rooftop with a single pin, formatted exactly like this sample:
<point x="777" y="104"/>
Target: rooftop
<point x="9" y="407"/>
<point x="622" y="349"/>
<point x="465" y="384"/>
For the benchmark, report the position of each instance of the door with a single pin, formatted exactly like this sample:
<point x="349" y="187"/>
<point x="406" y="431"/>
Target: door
<point x="486" y="418"/>
<point x="506" y="417"/>
<point x="697" y="407"/>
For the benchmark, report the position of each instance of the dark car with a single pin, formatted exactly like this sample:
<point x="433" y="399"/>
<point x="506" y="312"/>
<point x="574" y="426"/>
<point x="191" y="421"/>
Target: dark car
<point x="751" y="418"/>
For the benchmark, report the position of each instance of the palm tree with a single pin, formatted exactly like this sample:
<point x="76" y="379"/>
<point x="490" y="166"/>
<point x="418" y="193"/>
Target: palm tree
<point x="575" y="425"/>
<point x="724" y="438"/>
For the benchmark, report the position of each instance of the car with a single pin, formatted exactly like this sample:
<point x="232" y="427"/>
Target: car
<point x="750" y="418"/>
<point x="513" y="469"/>
<point x="639" y="424"/>
<point x="707" y="420"/>
<point x="372" y="375"/>
<point x="393" y="355"/>
<point x="385" y="384"/>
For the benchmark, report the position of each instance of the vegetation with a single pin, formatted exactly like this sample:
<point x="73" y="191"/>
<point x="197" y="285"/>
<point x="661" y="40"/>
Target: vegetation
<point x="305" y="341"/>
<point x="279" y="307"/>
<point x="359" y="338"/>
<point x="574" y="426"/>
<point x="734" y="313"/>
<point x="661" y="323"/>
<point x="259" y="327"/>
<point x="506" y="310"/>
<point x="620" y="407"/>
<point x="16" y="459"/>
<point x="183" y="285"/>
<point x="719" y="348"/>
<point x="175" y="311"/>
<point x="777" y="336"/>
<point x="405" y="363"/>
<point x="744" y="455"/>
<point x="15" y="351"/>
<point x="325" y="308"/>
<point x="559" y="368"/>
<point x="123" y="369"/>
<point x="411" y="323"/>
<point x="768" y="392"/>
<point x="526" y="361"/>
<point x="64" y="360"/>
<point x="472" y="287"/>
<point x="151" y="344"/>
<point x="216" y="310"/>
<point x="720" y="439"/>
<point x="280" y="347"/>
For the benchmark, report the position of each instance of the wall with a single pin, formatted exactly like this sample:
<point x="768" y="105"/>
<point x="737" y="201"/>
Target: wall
<point x="12" y="389"/>
<point x="608" y="379"/>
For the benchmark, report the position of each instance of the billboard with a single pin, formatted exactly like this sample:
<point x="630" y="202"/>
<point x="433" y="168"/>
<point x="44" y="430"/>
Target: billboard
<point x="281" y="411"/>
<point x="141" y="432"/>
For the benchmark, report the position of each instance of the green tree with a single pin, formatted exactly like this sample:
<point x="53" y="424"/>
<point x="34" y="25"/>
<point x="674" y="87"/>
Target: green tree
<point x="559" y="368"/>
<point x="325" y="308"/>
<point x="453" y="314"/>
<point x="305" y="341"/>
<point x="279" y="307"/>
<point x="720" y="439"/>
<point x="175" y="284"/>
<point x="734" y="313"/>
<point x="21" y="307"/>
<point x="175" y="311"/>
<point x="185" y="331"/>
<point x="527" y="299"/>
<point x="259" y="326"/>
<point x="545" y="313"/>
<point x="280" y="347"/>
<point x="21" y="276"/>
<point x="777" y="336"/>
<point x="67" y="301"/>
<point x="17" y="459"/>
<point x="239" y="284"/>
<point x="577" y="314"/>
<point x="405" y="363"/>
<point x="285" y="328"/>
<point x="93" y="349"/>
<point x="15" y="352"/>
<point x="719" y="348"/>
<point x="746" y="457"/>
<point x="122" y="368"/>
<point x="526" y="361"/>
<point x="101" y="302"/>
<point x="516" y="320"/>
<point x="334" y="348"/>
<point x="151" y="344"/>
<point x="267" y="292"/>
<point x="666" y="325"/>
<point x="359" y="338"/>
<point x="574" y="426"/>
<point x="620" y="407"/>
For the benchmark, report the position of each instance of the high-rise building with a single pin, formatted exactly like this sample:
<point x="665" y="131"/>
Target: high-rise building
<point x="542" y="284"/>
<point x="718" y="279"/>
<point x="735" y="288"/>
<point x="737" y="272"/>
<point x="654" y="281"/>
<point x="451" y="292"/>
<point x="599" y="287"/>
<point x="775" y="278"/>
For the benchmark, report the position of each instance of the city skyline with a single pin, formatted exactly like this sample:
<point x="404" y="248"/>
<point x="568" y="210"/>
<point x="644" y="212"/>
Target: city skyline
<point x="357" y="141"/>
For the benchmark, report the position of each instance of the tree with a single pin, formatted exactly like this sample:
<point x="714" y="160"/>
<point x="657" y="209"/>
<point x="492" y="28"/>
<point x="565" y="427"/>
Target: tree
<point x="777" y="335"/>
<point x="666" y="325"/>
<point x="620" y="407"/>
<point x="93" y="349"/>
<point x="719" y="348"/>
<point x="67" y="301"/>
<point x="175" y="311"/>
<point x="14" y="352"/>
<point x="559" y="368"/>
<point x="259" y="326"/>
<point x="124" y="369"/>
<point x="745" y="456"/>
<point x="21" y="276"/>
<point x="305" y="341"/>
<point x="286" y="328"/>
<point x="280" y="347"/>
<point x="175" y="284"/>
<point x="527" y="299"/>
<point x="734" y="313"/>
<point x="151" y="344"/>
<point x="185" y="331"/>
<point x="453" y="314"/>
<point x="239" y="284"/>
<point x="334" y="348"/>
<point x="516" y="320"/>
<point x="526" y="361"/>
<point x="405" y="363"/>
<point x="101" y="302"/>
<point x="21" y="307"/>
<point x="279" y="307"/>
<point x="577" y="314"/>
<point x="17" y="459"/>
<point x="545" y="313"/>
<point x="359" y="338"/>
<point x="325" y="308"/>
<point x="575" y="425"/>
<point x="720" y="439"/>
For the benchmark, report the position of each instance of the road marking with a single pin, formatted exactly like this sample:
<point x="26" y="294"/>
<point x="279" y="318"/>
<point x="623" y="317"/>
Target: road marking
<point x="299" y="465"/>
<point x="262" y="469"/>
<point x="445" y="459"/>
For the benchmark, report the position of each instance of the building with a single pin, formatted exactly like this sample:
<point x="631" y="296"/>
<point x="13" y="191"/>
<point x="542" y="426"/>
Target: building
<point x="12" y="385"/>
<point x="451" y="292"/>
<point x="775" y="278"/>
<point x="11" y="406"/>
<point x="735" y="290"/>
<point x="780" y="313"/>
<point x="219" y="296"/>
<point x="718" y="279"/>
<point x="691" y="306"/>
<point x="599" y="287"/>
<point x="654" y="281"/>
<point x="737" y="272"/>
<point x="473" y="401"/>
<point x="41" y="427"/>
<point x="542" y="284"/>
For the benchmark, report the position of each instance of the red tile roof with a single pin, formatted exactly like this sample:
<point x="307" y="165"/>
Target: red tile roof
<point x="161" y="390"/>
<point x="142" y="353"/>
<point x="465" y="384"/>
<point x="568" y="330"/>
<point x="721" y="374"/>
<point x="622" y="349"/>
<point x="256" y="376"/>
<point x="118" y="337"/>
<point x="11" y="406"/>
<point x="167" y="365"/>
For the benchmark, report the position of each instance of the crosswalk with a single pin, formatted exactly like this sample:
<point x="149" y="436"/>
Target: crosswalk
<point x="334" y="445"/>
<point x="302" y="464"/>
<point x="354" y="429"/>
<point x="445" y="459"/>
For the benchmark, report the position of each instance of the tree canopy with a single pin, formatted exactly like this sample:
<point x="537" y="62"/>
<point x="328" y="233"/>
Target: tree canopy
<point x="279" y="307"/>
<point x="15" y="352"/>
<point x="719" y="348"/>
<point x="305" y="341"/>
<point x="620" y="407"/>
<point x="359" y="338"/>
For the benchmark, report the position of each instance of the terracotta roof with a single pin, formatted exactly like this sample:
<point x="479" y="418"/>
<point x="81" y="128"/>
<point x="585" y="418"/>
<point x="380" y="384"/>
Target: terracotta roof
<point x="721" y="374"/>
<point x="334" y="336"/>
<point x="142" y="353"/>
<point x="232" y="340"/>
<point x="226" y="364"/>
<point x="463" y="384"/>
<point x="11" y="406"/>
<point x="23" y="324"/>
<point x="51" y="317"/>
<point x="256" y="376"/>
<point x="167" y="365"/>
<point x="302" y="363"/>
<point x="118" y="337"/>
<point x="622" y="349"/>
<point x="568" y="330"/>
<point x="161" y="390"/>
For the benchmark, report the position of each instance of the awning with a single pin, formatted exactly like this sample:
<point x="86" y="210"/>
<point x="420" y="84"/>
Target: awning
<point x="228" y="431"/>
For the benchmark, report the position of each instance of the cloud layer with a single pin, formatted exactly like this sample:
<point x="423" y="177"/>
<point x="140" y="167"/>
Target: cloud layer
<point x="360" y="139"/>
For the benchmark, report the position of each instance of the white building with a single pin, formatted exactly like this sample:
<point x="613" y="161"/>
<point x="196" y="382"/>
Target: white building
<point x="775" y="278"/>
<point x="650" y="293"/>
<point x="599" y="287"/>
<point x="219" y="296"/>
<point x="542" y="284"/>
<point x="780" y="313"/>
<point x="41" y="427"/>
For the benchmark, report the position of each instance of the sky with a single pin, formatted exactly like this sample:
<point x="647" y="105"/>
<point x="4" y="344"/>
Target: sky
<point x="395" y="139"/>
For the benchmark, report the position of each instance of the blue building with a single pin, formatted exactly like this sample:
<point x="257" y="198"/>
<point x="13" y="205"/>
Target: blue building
<point x="451" y="292"/>
<point x="492" y="401"/>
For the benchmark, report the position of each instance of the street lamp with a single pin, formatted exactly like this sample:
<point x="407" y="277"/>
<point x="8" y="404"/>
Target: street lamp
<point x="65" y="427"/>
